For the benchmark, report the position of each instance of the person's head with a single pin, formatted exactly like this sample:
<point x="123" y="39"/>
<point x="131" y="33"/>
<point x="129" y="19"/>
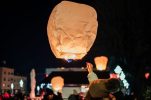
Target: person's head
<point x="113" y="85"/>
<point x="49" y="91"/>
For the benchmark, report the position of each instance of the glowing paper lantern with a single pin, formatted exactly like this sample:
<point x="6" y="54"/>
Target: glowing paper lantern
<point x="57" y="83"/>
<point x="101" y="62"/>
<point x="72" y="29"/>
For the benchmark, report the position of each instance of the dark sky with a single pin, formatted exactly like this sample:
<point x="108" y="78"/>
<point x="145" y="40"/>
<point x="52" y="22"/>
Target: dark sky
<point x="123" y="34"/>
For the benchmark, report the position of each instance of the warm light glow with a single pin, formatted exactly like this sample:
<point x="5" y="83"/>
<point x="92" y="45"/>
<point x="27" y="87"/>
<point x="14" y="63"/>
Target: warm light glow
<point x="147" y="75"/>
<point x="113" y="75"/>
<point x="57" y="83"/>
<point x="3" y="84"/>
<point x="72" y="29"/>
<point x="70" y="56"/>
<point x="62" y="68"/>
<point x="101" y="62"/>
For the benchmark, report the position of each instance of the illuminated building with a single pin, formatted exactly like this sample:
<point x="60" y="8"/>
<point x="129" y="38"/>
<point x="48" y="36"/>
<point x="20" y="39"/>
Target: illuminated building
<point x="7" y="77"/>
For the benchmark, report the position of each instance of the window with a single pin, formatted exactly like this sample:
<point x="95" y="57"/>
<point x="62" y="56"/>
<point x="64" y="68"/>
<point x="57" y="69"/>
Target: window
<point x="8" y="73"/>
<point x="4" y="72"/>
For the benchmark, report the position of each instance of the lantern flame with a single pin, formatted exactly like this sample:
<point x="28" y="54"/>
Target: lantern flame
<point x="71" y="56"/>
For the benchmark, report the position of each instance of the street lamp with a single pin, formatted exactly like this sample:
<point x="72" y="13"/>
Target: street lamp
<point x="38" y="89"/>
<point x="12" y="87"/>
<point x="21" y="83"/>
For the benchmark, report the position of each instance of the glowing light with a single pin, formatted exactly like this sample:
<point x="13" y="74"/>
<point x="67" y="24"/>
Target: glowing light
<point x="3" y="84"/>
<point x="62" y="68"/>
<point x="147" y="75"/>
<point x="84" y="88"/>
<point x="122" y="76"/>
<point x="82" y="68"/>
<point x="72" y="29"/>
<point x="101" y="62"/>
<point x="42" y="85"/>
<point x="46" y="75"/>
<point x="57" y="83"/>
<point x="38" y="88"/>
<point x="69" y="60"/>
<point x="49" y="86"/>
<point x="12" y="85"/>
<point x="113" y="75"/>
<point x="118" y="69"/>
<point x="21" y="83"/>
<point x="126" y="84"/>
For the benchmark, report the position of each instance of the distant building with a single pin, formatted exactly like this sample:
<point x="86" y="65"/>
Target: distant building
<point x="9" y="81"/>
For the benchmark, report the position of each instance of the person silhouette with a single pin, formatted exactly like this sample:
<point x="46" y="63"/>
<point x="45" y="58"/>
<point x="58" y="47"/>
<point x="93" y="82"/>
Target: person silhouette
<point x="100" y="88"/>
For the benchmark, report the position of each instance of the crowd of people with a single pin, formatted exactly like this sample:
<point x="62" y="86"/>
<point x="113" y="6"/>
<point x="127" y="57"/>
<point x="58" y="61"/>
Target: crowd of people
<point x="99" y="89"/>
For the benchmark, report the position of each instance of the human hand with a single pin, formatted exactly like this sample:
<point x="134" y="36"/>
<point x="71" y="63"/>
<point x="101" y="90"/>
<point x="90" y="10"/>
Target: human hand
<point x="112" y="97"/>
<point x="89" y="67"/>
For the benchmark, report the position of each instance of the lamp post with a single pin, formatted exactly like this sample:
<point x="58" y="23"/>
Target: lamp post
<point x="38" y="89"/>
<point x="21" y="83"/>
<point x="12" y="87"/>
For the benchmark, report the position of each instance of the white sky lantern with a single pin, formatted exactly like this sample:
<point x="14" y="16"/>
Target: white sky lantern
<point x="101" y="62"/>
<point x="57" y="83"/>
<point x="72" y="29"/>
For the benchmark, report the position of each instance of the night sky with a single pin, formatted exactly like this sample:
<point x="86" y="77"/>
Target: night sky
<point x="122" y="36"/>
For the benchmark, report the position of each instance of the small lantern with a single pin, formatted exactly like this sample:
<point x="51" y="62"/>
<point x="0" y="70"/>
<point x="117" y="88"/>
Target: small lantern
<point x="101" y="62"/>
<point x="57" y="83"/>
<point x="72" y="29"/>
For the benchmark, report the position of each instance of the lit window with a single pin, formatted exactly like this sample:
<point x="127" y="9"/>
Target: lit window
<point x="3" y="84"/>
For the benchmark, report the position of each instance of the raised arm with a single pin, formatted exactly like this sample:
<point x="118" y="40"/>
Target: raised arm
<point x="91" y="76"/>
